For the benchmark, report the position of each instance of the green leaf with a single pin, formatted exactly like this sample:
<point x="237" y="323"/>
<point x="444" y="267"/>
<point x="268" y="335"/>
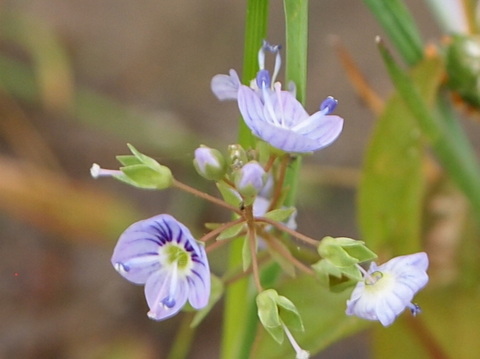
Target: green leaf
<point x="400" y="26"/>
<point x="229" y="194"/>
<point x="246" y="254"/>
<point x="281" y="214"/>
<point x="392" y="188"/>
<point x="231" y="232"/>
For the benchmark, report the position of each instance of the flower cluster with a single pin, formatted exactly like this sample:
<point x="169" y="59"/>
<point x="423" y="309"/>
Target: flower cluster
<point x="162" y="254"/>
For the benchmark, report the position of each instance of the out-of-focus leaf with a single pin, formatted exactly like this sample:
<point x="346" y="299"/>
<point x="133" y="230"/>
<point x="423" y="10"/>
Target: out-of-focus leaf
<point x="446" y="328"/>
<point x="56" y="204"/>
<point x="442" y="130"/>
<point x="323" y="316"/>
<point x="50" y="63"/>
<point x="101" y="112"/>
<point x="400" y="26"/>
<point x="392" y="188"/>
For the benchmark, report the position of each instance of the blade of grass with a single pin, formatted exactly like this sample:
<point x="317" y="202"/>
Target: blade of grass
<point x="296" y="25"/>
<point x="239" y="322"/>
<point x="400" y="27"/>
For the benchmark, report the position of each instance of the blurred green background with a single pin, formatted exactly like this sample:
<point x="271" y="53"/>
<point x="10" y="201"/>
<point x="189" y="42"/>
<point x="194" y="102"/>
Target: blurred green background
<point x="81" y="78"/>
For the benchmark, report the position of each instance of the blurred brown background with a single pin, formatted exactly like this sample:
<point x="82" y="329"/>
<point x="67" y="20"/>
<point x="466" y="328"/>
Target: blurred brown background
<point x="114" y="71"/>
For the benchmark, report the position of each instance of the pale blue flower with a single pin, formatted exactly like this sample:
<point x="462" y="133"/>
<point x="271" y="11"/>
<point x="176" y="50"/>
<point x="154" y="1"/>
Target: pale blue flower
<point x="389" y="288"/>
<point x="275" y="115"/>
<point x="161" y="253"/>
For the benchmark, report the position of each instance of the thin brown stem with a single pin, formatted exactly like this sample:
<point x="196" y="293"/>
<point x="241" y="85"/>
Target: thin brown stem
<point x="205" y="196"/>
<point x="215" y="245"/>
<point x="252" y="243"/>
<point x="253" y="253"/>
<point x="269" y="164"/>
<point x="427" y="340"/>
<point x="274" y="243"/>
<point x="290" y="231"/>
<point x="279" y="183"/>
<point x="230" y="183"/>
<point x="240" y="273"/>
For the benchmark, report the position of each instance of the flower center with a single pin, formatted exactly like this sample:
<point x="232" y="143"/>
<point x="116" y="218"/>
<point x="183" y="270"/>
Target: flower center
<point x="177" y="256"/>
<point x="373" y="278"/>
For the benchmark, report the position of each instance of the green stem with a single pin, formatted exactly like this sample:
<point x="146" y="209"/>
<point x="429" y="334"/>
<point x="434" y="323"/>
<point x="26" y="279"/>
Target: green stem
<point x="183" y="339"/>
<point x="239" y="313"/>
<point x="296" y="24"/>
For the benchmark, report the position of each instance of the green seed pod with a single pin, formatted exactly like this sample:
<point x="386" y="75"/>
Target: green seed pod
<point x="463" y="67"/>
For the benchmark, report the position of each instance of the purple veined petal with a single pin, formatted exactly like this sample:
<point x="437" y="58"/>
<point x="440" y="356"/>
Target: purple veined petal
<point x="251" y="107"/>
<point x="325" y="130"/>
<point x="135" y="256"/>
<point x="225" y="87"/>
<point x="199" y="281"/>
<point x="288" y="110"/>
<point x="285" y="139"/>
<point x="157" y="290"/>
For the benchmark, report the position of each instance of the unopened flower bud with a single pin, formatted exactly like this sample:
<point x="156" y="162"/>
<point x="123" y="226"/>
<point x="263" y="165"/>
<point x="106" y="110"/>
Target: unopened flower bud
<point x="250" y="179"/>
<point x="209" y="163"/>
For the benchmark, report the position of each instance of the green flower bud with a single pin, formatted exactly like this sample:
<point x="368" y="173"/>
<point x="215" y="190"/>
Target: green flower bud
<point x="463" y="67"/>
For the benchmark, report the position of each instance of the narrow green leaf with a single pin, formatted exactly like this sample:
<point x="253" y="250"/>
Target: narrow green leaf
<point x="228" y="194"/>
<point x="231" y="232"/>
<point x="296" y="26"/>
<point x="240" y="325"/>
<point x="400" y="26"/>
<point x="281" y="214"/>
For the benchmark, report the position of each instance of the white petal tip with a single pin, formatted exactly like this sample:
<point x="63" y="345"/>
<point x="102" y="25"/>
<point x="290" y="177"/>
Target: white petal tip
<point x="95" y="170"/>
